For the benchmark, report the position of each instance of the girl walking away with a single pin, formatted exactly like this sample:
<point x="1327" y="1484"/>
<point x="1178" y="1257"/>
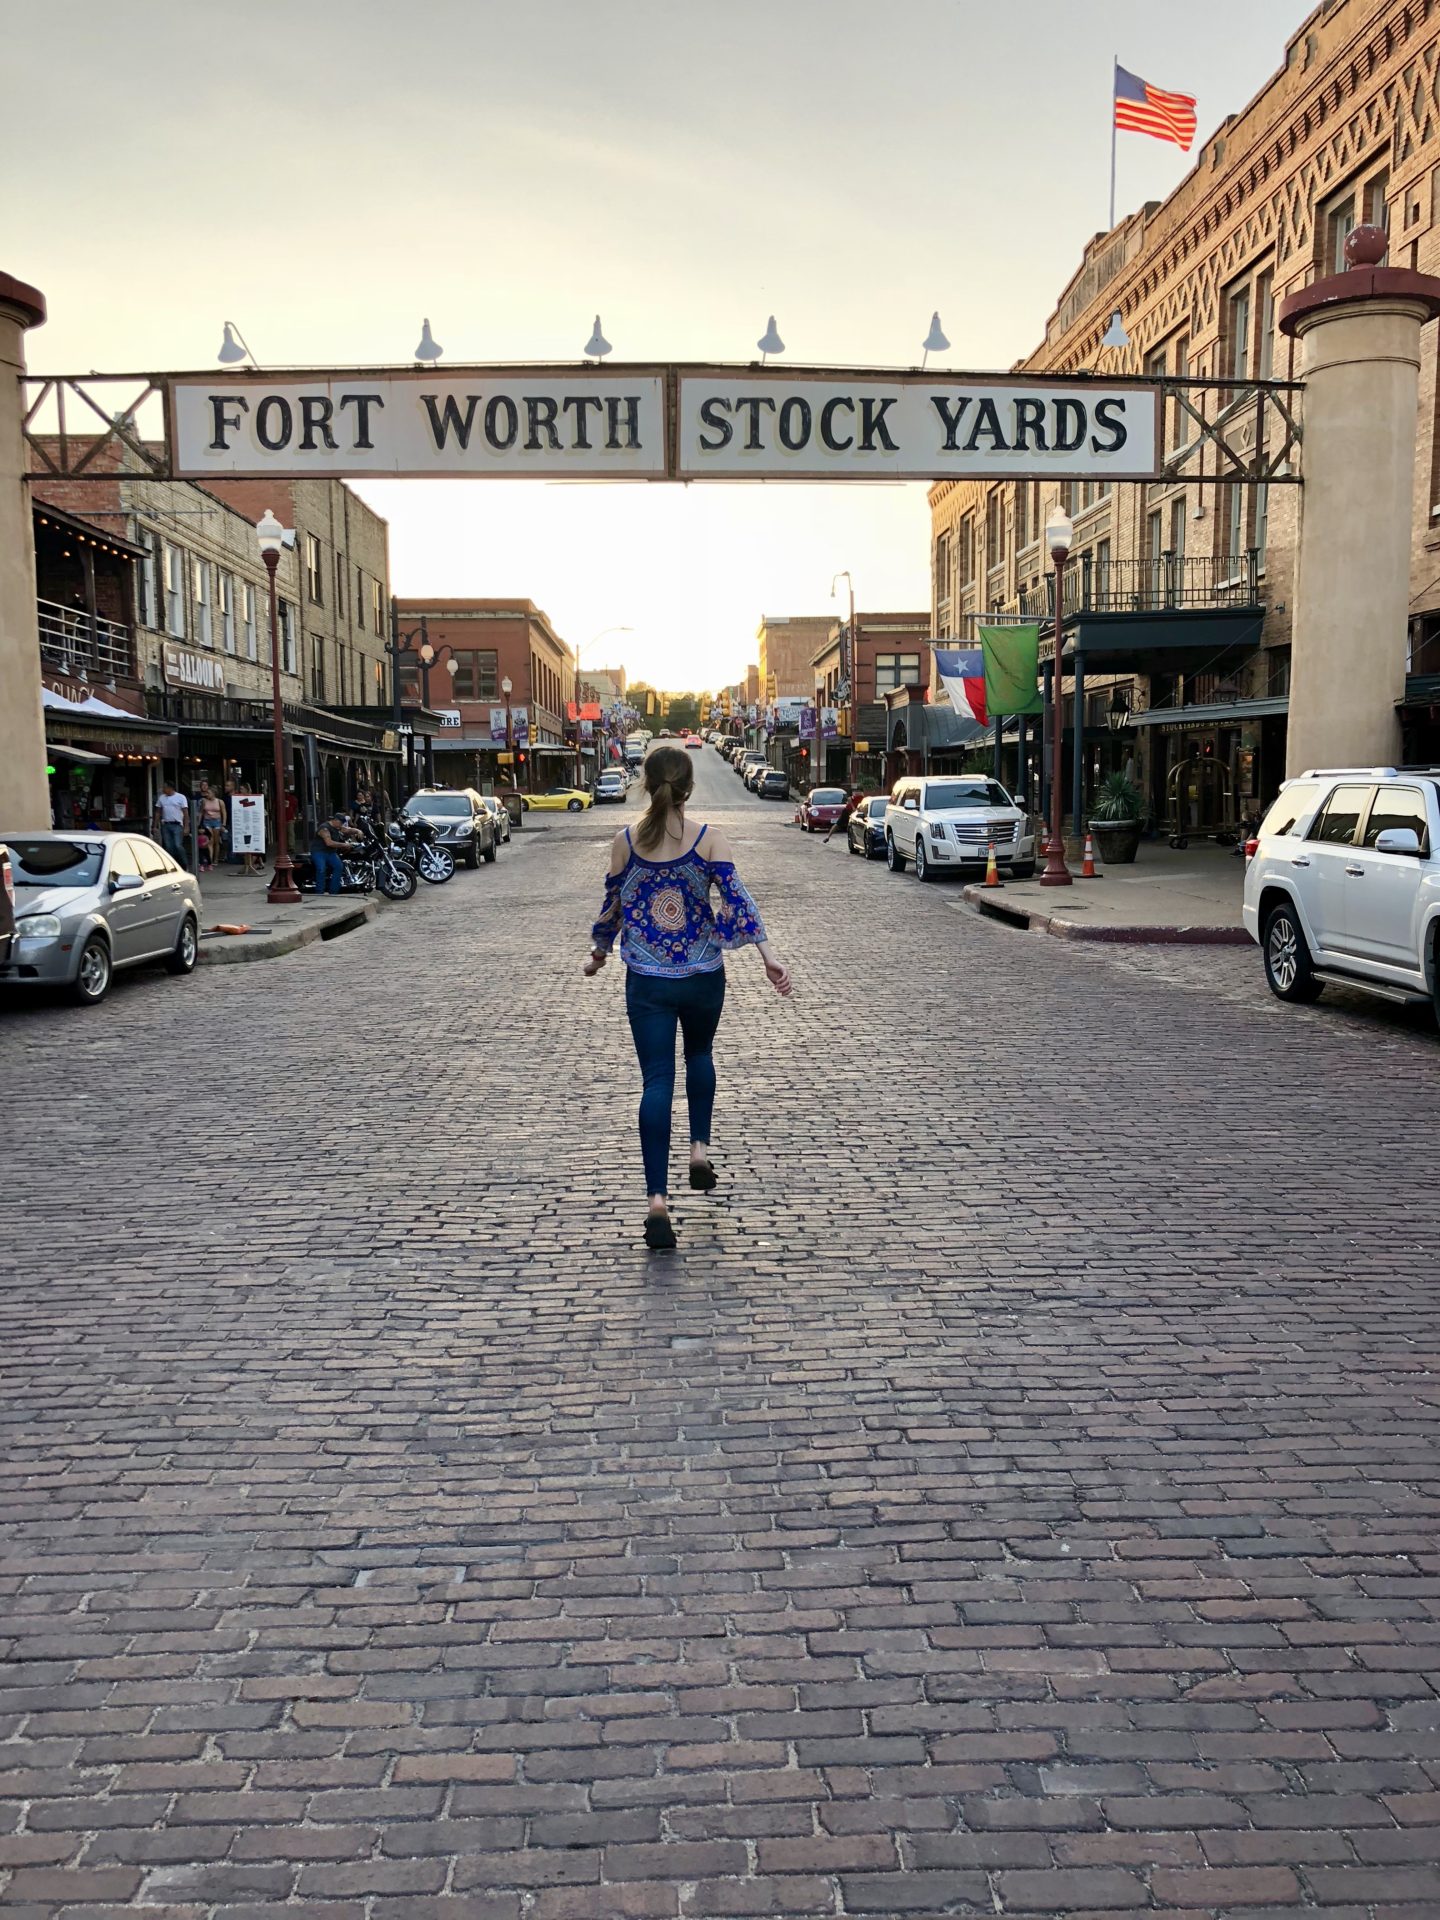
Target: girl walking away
<point x="673" y="941"/>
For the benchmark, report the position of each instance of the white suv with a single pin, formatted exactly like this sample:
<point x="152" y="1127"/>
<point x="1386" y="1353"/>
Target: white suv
<point x="1340" y="885"/>
<point x="949" y="820"/>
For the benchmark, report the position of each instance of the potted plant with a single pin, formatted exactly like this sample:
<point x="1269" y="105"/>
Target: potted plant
<point x="1115" y="820"/>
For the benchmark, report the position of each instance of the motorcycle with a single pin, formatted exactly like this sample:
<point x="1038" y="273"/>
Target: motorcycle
<point x="369" y="866"/>
<point x="415" y="844"/>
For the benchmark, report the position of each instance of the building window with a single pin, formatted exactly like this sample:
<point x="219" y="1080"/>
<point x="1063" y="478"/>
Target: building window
<point x="360" y="597"/>
<point x="377" y="618"/>
<point x="227" y="612"/>
<point x="1235" y="535"/>
<point x="1237" y="333"/>
<point x="477" y="676"/>
<point x="895" y="670"/>
<point x="175" y="592"/>
<point x="409" y="678"/>
<point x="1177" y="526"/>
<point x="1334" y="223"/>
<point x="200" y="585"/>
<point x="1024" y="533"/>
<point x="248" y="621"/>
<point x="379" y="683"/>
<point x="1102" y="570"/>
<point x="339" y="586"/>
<point x="314" y="583"/>
<point x="967" y="550"/>
<point x="1377" y="214"/>
<point x="317" y="667"/>
<point x="147" y="581"/>
<point x="995" y="529"/>
<point x="286" y="618"/>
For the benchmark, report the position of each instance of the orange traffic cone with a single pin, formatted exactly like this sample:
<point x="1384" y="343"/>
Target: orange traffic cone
<point x="1087" y="871"/>
<point x="992" y="872"/>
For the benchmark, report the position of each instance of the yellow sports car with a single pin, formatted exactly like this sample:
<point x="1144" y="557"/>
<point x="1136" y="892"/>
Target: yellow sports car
<point x="557" y="800"/>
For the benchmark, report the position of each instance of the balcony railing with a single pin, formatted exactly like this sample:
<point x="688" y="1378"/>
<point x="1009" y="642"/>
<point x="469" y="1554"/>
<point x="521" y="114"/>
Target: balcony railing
<point x="70" y="638"/>
<point x="1161" y="584"/>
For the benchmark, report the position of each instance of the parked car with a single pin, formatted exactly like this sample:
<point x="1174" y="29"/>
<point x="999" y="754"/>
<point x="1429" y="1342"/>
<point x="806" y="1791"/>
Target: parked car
<point x="7" y="905"/>
<point x="773" y="784"/>
<point x="87" y="905"/>
<point x="461" y="820"/>
<point x="746" y="758"/>
<point x="821" y="807"/>
<point x="1340" y="888"/>
<point x="865" y="832"/>
<point x="942" y="822"/>
<point x="500" y="814"/>
<point x="561" y="799"/>
<point x="612" y="785"/>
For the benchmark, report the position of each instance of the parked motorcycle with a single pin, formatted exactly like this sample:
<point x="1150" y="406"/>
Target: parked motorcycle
<point x="415" y="843"/>
<point x="365" y="868"/>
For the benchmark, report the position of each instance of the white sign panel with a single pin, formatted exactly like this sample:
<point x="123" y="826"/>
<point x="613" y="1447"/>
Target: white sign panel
<point x="515" y="423"/>
<point x="247" y="823"/>
<point x="770" y="426"/>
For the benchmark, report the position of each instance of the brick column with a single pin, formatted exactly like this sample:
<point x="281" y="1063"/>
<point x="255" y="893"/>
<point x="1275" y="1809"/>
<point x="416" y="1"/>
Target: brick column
<point x="24" y="793"/>
<point x="1359" y="335"/>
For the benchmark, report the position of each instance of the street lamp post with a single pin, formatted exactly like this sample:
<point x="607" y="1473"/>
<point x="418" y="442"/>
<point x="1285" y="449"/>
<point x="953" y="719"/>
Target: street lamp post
<point x="1059" y="532"/>
<point x="398" y="645"/>
<point x="428" y="657"/>
<point x="282" y="890"/>
<point x="848" y="655"/>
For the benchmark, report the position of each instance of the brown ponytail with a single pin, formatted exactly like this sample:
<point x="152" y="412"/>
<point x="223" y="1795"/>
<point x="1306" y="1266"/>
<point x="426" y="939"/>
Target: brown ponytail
<point x="669" y="774"/>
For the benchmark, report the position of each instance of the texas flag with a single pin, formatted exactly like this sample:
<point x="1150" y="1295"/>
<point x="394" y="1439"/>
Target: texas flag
<point x="962" y="673"/>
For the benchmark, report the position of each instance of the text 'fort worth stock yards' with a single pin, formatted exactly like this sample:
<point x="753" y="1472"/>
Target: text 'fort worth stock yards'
<point x="660" y="424"/>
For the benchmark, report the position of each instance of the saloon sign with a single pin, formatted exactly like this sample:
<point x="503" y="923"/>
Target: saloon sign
<point x="662" y="423"/>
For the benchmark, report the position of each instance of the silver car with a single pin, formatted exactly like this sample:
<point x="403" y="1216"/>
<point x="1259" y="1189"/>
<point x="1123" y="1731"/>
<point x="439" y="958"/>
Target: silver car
<point x="89" y="903"/>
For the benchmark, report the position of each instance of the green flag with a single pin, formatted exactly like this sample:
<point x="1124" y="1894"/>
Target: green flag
<point x="1012" y="669"/>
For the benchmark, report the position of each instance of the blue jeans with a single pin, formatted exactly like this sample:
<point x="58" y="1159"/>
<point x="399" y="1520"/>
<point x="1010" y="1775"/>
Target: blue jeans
<point x="657" y="1004"/>
<point x="327" y="868"/>
<point x="172" y="838"/>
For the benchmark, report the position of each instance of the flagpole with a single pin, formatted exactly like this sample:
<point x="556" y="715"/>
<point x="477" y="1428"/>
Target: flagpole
<point x="1114" y="78"/>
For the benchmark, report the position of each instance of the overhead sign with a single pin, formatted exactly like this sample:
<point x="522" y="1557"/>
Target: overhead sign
<point x="529" y="422"/>
<point x="772" y="426"/>
<point x="659" y="423"/>
<point x="182" y="668"/>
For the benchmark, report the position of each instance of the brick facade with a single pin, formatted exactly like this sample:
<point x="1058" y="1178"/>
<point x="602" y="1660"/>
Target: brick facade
<point x="787" y="648"/>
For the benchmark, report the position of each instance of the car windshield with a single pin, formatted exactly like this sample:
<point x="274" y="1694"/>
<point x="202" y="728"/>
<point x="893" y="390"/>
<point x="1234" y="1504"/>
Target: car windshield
<point x="446" y="803"/>
<point x="827" y="797"/>
<point x="56" y="863"/>
<point x="951" y="796"/>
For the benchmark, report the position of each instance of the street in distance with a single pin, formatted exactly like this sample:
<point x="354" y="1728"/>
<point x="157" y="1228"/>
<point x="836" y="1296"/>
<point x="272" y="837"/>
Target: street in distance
<point x="761" y="424"/>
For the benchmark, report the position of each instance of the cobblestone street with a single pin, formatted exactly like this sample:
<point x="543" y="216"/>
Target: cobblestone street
<point x="1018" y="1495"/>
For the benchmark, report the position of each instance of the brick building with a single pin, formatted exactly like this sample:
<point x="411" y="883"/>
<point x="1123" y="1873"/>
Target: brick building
<point x="153" y="608"/>
<point x="493" y="641"/>
<point x="787" y="646"/>
<point x="891" y="650"/>
<point x="1346" y="132"/>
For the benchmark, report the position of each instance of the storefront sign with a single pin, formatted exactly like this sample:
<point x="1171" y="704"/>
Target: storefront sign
<point x="662" y="423"/>
<point x="448" y="716"/>
<point x="182" y="668"/>
<point x="247" y="823"/>
<point x="499" y="422"/>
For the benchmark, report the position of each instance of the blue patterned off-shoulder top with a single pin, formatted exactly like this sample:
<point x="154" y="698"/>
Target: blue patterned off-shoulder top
<point x="662" y="911"/>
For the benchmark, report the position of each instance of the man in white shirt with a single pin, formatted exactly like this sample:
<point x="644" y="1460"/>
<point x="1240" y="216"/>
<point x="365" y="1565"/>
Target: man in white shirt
<point x="172" y="812"/>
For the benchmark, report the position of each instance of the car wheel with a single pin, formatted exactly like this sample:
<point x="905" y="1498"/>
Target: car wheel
<point x="574" y="806"/>
<point x="922" y="865"/>
<point x="472" y="858"/>
<point x="1289" y="972"/>
<point x="894" y="859"/>
<point x="187" y="949"/>
<point x="850" y="846"/>
<point x="524" y="804"/>
<point x="93" y="975"/>
<point x="490" y="853"/>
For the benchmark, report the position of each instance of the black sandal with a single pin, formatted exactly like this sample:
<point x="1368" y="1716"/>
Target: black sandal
<point x="703" y="1176"/>
<point x="659" y="1234"/>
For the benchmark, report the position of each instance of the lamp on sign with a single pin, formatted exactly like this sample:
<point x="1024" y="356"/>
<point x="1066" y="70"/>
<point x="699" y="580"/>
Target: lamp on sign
<point x="935" y="341"/>
<point x="770" y="341"/>
<point x="427" y="353"/>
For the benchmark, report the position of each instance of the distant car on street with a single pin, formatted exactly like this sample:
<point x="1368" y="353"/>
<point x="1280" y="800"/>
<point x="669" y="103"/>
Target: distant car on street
<point x="1341" y="887"/>
<point x="865" y="831"/>
<point x="87" y="905"/>
<point x="773" y="784"/>
<point x="821" y="807"/>
<point x="461" y="820"/>
<point x="561" y="799"/>
<point x="612" y="785"/>
<point x="945" y="822"/>
<point x="693" y="741"/>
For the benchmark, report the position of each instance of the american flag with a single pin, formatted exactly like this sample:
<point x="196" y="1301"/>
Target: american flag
<point x="1141" y="108"/>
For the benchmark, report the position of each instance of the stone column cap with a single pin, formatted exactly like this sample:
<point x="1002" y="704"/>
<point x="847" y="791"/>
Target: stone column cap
<point x="29" y="300"/>
<point x="1360" y="284"/>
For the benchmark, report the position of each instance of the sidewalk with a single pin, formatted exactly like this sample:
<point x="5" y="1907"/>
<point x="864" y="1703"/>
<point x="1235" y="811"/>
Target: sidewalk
<point x="235" y="899"/>
<point x="1166" y="897"/>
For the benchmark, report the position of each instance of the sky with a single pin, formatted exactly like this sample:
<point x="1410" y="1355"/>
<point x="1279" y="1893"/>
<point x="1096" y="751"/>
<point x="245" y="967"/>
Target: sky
<point x="327" y="174"/>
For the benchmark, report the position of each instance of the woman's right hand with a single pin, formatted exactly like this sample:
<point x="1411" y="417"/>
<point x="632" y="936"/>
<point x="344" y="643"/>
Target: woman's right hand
<point x="778" y="974"/>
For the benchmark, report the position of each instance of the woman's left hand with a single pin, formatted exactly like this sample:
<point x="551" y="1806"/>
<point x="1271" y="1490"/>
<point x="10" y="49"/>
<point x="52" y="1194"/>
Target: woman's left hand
<point x="593" y="965"/>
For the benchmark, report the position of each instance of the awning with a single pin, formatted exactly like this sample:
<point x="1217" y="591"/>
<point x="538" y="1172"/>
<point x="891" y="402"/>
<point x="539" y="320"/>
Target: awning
<point x="94" y="708"/>
<point x="1217" y="713"/>
<point x="57" y="752"/>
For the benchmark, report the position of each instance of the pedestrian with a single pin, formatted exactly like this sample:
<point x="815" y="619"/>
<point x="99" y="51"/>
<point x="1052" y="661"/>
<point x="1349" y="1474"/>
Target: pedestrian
<point x="327" y="847"/>
<point x="212" y="825"/>
<point x="846" y="813"/>
<point x="172" y="815"/>
<point x="673" y="941"/>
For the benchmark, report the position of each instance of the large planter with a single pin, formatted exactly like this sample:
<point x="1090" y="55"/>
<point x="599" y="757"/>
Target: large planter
<point x="1116" y="841"/>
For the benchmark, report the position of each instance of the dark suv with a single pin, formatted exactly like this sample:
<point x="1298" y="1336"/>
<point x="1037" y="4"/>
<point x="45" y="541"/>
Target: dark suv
<point x="461" y="820"/>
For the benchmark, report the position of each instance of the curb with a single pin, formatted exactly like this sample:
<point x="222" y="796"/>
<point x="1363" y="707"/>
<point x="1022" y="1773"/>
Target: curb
<point x="222" y="950"/>
<point x="1026" y="918"/>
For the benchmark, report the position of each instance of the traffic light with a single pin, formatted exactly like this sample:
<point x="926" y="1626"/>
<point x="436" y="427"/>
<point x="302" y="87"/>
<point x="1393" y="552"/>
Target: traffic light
<point x="521" y="757"/>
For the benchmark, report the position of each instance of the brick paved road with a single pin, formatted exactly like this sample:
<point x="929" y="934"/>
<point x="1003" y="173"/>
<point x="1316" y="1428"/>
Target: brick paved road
<point x="1019" y="1495"/>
